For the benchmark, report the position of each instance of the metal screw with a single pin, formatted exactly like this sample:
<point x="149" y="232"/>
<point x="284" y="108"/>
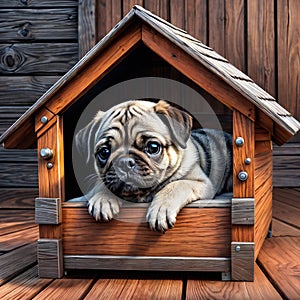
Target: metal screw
<point x="238" y="248"/>
<point x="243" y="176"/>
<point x="44" y="119"/>
<point x="239" y="141"/>
<point x="50" y="165"/>
<point x="46" y="153"/>
<point x="248" y="161"/>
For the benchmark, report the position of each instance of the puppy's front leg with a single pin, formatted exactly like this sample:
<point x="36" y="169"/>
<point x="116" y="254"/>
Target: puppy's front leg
<point x="172" y="198"/>
<point x="102" y="204"/>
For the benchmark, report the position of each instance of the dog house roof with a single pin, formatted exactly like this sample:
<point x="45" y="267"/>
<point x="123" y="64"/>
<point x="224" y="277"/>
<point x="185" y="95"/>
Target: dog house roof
<point x="282" y="127"/>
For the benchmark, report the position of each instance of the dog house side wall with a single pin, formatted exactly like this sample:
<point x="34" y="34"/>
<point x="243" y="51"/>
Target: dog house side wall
<point x="263" y="165"/>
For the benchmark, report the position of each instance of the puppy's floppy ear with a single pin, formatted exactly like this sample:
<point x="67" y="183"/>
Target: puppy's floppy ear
<point x="85" y="138"/>
<point x="179" y="122"/>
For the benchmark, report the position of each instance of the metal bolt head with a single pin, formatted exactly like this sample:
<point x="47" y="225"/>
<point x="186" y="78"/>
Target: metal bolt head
<point x="50" y="165"/>
<point x="239" y="141"/>
<point x="243" y="176"/>
<point x="44" y="119"/>
<point x="238" y="248"/>
<point x="248" y="161"/>
<point x="46" y="153"/>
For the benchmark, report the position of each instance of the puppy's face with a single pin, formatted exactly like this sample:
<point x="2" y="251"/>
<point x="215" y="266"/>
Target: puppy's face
<point x="138" y="145"/>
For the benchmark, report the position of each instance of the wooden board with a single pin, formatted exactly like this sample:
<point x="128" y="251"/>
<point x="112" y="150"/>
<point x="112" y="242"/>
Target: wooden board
<point x="280" y="257"/>
<point x="35" y="25"/>
<point x="32" y="58"/>
<point x="135" y="289"/>
<point x="65" y="289"/>
<point x="133" y="237"/>
<point x="24" y="286"/>
<point x="17" y="239"/>
<point x="261" y="288"/>
<point x="287" y="213"/>
<point x="13" y="262"/>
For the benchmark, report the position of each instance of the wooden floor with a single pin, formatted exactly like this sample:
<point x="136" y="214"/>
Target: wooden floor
<point x="277" y="271"/>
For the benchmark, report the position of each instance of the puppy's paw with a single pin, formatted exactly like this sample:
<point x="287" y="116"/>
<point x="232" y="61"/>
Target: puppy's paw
<point x="161" y="216"/>
<point x="103" y="209"/>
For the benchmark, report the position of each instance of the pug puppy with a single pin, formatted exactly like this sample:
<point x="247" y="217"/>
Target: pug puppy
<point x="145" y="151"/>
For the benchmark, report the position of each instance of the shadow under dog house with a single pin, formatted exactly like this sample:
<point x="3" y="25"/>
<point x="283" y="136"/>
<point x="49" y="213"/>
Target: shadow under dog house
<point x="221" y="235"/>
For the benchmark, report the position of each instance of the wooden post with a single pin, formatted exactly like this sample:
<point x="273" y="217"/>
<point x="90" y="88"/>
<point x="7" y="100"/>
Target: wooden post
<point x="242" y="247"/>
<point x="48" y="205"/>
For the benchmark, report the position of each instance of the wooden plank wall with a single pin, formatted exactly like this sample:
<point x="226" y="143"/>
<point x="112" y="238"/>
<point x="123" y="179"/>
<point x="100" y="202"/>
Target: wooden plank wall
<point x="42" y="39"/>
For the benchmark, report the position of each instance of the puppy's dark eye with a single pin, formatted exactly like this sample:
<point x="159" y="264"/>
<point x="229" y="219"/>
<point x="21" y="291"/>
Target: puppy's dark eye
<point x="103" y="154"/>
<point x="153" y="148"/>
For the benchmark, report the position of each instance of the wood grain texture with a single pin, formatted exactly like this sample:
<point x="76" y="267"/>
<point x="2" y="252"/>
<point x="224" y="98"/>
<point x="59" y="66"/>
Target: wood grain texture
<point x="288" y="59"/>
<point x="135" y="289"/>
<point x="86" y="26"/>
<point x="263" y="189"/>
<point x="17" y="239"/>
<point x="49" y="179"/>
<point x="16" y="175"/>
<point x="242" y="261"/>
<point x="38" y="3"/>
<point x="260" y="289"/>
<point x="280" y="259"/>
<point x="84" y="236"/>
<point x="18" y="198"/>
<point x="24" y="90"/>
<point x="24" y="286"/>
<point x="147" y="263"/>
<point x="50" y="260"/>
<point x="14" y="262"/>
<point x="242" y="211"/>
<point x="35" y="25"/>
<point x="65" y="289"/>
<point x="281" y="229"/>
<point x="32" y="59"/>
<point x="261" y="44"/>
<point x="48" y="211"/>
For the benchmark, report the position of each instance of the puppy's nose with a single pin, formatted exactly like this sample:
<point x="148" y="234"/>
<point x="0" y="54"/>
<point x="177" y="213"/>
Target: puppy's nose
<point x="126" y="163"/>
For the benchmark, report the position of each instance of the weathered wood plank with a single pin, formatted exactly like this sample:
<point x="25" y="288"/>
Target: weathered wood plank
<point x="24" y="287"/>
<point x="242" y="261"/>
<point x="196" y="19"/>
<point x="261" y="288"/>
<point x="33" y="59"/>
<point x="34" y="24"/>
<point x="48" y="211"/>
<point x="50" y="258"/>
<point x="17" y="239"/>
<point x="12" y="227"/>
<point x="10" y="215"/>
<point x="37" y="3"/>
<point x="149" y="263"/>
<point x="23" y="90"/>
<point x="131" y="236"/>
<point x="17" y="198"/>
<point x="136" y="289"/>
<point x="234" y="33"/>
<point x="86" y="26"/>
<point x="281" y="229"/>
<point x="288" y="196"/>
<point x="13" y="155"/>
<point x="14" y="262"/>
<point x="261" y="44"/>
<point x="287" y="213"/>
<point x="288" y="58"/>
<point x="65" y="289"/>
<point x="15" y="175"/>
<point x="280" y="258"/>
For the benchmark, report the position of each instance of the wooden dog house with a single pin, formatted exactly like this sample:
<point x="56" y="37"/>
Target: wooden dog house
<point x="223" y="235"/>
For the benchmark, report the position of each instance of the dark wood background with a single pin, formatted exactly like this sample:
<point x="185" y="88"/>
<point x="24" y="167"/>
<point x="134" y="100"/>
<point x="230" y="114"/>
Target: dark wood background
<point x="40" y="40"/>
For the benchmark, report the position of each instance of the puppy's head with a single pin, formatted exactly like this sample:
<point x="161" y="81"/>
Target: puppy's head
<point x="136" y="146"/>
